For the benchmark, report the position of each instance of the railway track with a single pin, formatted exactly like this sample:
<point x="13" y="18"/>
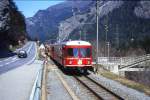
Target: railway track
<point x="98" y="90"/>
<point x="93" y="88"/>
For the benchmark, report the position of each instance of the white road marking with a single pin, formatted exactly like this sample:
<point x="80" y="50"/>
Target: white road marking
<point x="33" y="57"/>
<point x="29" y="48"/>
<point x="7" y="63"/>
<point x="18" y="50"/>
<point x="6" y="59"/>
<point x="14" y="58"/>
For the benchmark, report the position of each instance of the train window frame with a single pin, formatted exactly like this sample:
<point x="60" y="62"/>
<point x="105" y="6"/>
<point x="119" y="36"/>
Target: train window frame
<point x="75" y="52"/>
<point x="71" y="52"/>
<point x="85" y="54"/>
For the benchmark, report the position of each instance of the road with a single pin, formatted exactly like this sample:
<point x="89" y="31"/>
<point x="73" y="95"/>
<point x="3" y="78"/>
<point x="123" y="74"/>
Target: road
<point x="14" y="62"/>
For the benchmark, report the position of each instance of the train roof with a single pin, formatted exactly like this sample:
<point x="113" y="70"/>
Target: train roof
<point x="76" y="42"/>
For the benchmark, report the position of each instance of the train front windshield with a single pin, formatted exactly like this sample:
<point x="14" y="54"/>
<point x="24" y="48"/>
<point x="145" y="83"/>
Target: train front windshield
<point x="85" y="52"/>
<point x="73" y="52"/>
<point x="79" y="52"/>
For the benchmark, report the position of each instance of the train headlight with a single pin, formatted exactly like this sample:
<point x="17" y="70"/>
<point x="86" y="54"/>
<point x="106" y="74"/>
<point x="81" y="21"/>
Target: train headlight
<point x="70" y="62"/>
<point x="88" y="62"/>
<point x="79" y="62"/>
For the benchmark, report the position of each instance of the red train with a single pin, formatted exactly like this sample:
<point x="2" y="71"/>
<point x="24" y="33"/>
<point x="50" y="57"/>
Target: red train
<point x="72" y="54"/>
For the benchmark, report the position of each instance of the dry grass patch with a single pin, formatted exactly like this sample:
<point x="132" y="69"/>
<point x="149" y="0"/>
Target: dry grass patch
<point x="15" y="47"/>
<point x="124" y="81"/>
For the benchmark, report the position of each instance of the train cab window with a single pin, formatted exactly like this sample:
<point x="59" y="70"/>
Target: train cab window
<point x="85" y="52"/>
<point x="72" y="52"/>
<point x="75" y="52"/>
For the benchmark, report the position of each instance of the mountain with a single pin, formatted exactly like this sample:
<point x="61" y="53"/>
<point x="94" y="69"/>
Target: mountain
<point x="12" y="24"/>
<point x="123" y="24"/>
<point x="44" y="24"/>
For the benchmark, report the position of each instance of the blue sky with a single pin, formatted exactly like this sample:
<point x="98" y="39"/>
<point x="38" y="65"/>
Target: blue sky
<point x="30" y="7"/>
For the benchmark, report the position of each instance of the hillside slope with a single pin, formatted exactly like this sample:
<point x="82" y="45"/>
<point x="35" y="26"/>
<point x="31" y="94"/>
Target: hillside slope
<point x="44" y="24"/>
<point x="124" y="24"/>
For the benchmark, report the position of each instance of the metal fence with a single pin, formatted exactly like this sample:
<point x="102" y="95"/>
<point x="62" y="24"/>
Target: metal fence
<point x="111" y="63"/>
<point x="36" y="89"/>
<point x="122" y="60"/>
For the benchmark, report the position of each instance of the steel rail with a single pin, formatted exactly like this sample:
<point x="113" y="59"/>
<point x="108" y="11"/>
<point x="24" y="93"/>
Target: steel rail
<point x="120" y="98"/>
<point x="99" y="97"/>
<point x="97" y="85"/>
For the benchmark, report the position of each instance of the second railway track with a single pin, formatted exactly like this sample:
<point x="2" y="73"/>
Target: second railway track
<point x="97" y="89"/>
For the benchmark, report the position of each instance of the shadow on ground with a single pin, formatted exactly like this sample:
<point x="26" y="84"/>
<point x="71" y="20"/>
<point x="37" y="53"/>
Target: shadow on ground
<point x="69" y="72"/>
<point x="7" y="53"/>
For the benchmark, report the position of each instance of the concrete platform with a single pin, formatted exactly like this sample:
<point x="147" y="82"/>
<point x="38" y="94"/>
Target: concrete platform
<point x="55" y="88"/>
<point x="17" y="84"/>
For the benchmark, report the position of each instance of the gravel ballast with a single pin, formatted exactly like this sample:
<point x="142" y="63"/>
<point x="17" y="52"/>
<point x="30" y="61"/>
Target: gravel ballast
<point x="121" y="90"/>
<point x="80" y="91"/>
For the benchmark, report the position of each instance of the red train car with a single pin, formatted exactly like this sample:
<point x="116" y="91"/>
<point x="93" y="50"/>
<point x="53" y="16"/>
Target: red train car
<point x="73" y="54"/>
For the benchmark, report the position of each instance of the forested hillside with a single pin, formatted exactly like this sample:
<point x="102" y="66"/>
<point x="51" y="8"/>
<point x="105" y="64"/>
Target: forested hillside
<point x="12" y="24"/>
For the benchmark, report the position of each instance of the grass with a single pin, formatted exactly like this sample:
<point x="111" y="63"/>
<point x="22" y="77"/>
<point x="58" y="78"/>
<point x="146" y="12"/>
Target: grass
<point x="126" y="82"/>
